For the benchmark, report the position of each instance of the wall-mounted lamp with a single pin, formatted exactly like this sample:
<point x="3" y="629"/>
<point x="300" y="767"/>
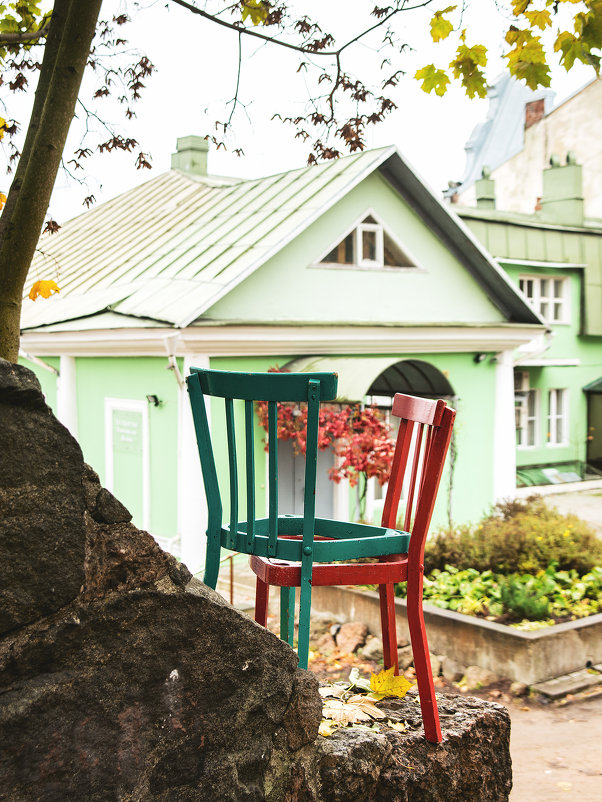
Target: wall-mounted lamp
<point x="154" y="400"/>
<point x="478" y="358"/>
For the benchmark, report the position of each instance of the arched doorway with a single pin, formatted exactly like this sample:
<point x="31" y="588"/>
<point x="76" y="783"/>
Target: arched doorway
<point x="412" y="377"/>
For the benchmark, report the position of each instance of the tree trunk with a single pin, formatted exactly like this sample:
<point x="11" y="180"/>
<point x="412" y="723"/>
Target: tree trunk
<point x="66" y="53"/>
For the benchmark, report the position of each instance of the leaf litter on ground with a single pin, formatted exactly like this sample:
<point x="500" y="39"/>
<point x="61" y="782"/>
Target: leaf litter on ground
<point x="348" y="704"/>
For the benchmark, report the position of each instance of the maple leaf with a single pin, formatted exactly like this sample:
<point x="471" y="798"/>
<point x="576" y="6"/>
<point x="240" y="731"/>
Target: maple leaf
<point x="386" y="683"/>
<point x="528" y="63"/>
<point x="43" y="288"/>
<point x="466" y="67"/>
<point x="539" y="19"/>
<point x="432" y="79"/>
<point x="519" y="7"/>
<point x="441" y="27"/>
<point x="255" y="10"/>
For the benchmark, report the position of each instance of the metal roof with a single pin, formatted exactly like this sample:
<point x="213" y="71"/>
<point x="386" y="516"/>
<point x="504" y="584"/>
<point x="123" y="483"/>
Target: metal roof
<point x="169" y="249"/>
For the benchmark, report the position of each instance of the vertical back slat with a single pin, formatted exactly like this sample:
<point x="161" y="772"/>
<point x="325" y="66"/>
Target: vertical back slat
<point x="309" y="517"/>
<point x="400" y="458"/>
<point x="233" y="468"/>
<point x="210" y="480"/>
<point x="412" y="489"/>
<point x="273" y="476"/>
<point x="250" y="454"/>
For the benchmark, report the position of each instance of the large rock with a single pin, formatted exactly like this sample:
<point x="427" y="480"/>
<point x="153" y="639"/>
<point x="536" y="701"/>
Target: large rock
<point x="472" y="764"/>
<point x="42" y="536"/>
<point x="144" y="695"/>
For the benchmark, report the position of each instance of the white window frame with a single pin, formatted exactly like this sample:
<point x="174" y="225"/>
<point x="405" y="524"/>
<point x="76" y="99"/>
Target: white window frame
<point x="369" y="264"/>
<point x="368" y="228"/>
<point x="129" y="405"/>
<point x="554" y="416"/>
<point x="537" y="300"/>
<point x="521" y="400"/>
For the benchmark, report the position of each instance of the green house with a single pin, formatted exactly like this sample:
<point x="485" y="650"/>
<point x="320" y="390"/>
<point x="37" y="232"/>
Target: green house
<point x="554" y="256"/>
<point x="353" y="265"/>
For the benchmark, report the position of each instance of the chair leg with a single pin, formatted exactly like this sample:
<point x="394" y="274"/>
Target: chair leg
<point x="422" y="661"/>
<point x="304" y="624"/>
<point x="287" y="614"/>
<point x="262" y="593"/>
<point x="388" y="626"/>
<point x="212" y="567"/>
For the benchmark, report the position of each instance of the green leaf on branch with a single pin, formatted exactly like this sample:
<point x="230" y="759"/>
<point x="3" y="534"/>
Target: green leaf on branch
<point x="255" y="10"/>
<point x="539" y="19"/>
<point x="528" y="63"/>
<point x="432" y="80"/>
<point x="441" y="27"/>
<point x="466" y="67"/>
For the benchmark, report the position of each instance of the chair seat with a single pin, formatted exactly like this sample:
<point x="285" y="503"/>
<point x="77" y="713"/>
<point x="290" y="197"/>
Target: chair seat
<point x="288" y="574"/>
<point x="333" y="540"/>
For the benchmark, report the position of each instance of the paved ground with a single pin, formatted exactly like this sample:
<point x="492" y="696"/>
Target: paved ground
<point x="556" y="751"/>
<point x="586" y="504"/>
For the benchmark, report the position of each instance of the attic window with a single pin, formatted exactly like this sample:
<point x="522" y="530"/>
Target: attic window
<point x="368" y="246"/>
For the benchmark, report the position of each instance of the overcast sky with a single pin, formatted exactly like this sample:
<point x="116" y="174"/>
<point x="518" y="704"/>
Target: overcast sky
<point x="196" y="75"/>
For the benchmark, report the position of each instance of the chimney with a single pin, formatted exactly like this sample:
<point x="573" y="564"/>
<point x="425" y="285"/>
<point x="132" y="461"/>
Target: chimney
<point x="534" y="112"/>
<point x="485" y="190"/>
<point x="191" y="155"/>
<point x="562" y="199"/>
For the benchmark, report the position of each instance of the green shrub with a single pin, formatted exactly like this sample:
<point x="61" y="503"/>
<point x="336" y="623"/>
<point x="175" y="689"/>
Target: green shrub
<point x="520" y="536"/>
<point x="522" y="600"/>
<point x="549" y="595"/>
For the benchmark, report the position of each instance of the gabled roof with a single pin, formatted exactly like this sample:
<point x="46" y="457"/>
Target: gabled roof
<point x="169" y="249"/>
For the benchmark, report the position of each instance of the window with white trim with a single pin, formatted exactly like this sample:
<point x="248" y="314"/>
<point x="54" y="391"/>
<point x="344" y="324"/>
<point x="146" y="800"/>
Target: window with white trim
<point x="526" y="408"/>
<point x="548" y="295"/>
<point x="558" y="419"/>
<point x="368" y="246"/>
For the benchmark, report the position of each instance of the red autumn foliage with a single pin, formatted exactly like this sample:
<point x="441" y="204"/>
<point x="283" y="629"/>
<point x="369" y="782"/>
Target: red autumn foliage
<point x="360" y="436"/>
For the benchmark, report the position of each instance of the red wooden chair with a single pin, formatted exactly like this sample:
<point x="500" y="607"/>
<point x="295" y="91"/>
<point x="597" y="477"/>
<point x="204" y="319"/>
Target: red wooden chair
<point x="422" y="444"/>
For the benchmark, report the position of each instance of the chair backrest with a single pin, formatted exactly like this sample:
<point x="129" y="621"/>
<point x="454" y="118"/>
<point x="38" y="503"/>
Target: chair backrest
<point x="425" y="429"/>
<point x="311" y="388"/>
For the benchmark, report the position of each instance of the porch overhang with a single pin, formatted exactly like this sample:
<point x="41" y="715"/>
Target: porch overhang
<point x="356" y="373"/>
<point x="594" y="387"/>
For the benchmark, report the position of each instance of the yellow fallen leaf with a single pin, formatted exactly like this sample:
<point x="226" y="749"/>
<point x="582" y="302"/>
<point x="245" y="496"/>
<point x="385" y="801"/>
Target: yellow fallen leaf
<point x="43" y="288"/>
<point x="2" y="199"/>
<point x="326" y="727"/>
<point x="386" y="683"/>
<point x="398" y="726"/>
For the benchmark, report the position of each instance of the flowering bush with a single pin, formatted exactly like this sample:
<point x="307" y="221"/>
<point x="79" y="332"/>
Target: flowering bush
<point x="360" y="436"/>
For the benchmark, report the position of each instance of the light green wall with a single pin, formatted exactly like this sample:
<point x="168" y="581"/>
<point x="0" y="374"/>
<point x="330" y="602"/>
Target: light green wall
<point x="288" y="288"/>
<point x="134" y="378"/>
<point x="567" y="343"/>
<point x="520" y="237"/>
<point x="46" y="378"/>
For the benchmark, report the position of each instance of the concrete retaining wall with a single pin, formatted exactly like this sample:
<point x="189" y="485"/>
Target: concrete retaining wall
<point x="524" y="656"/>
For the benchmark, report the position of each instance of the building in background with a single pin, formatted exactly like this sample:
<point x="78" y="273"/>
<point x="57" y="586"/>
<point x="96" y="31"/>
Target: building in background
<point x="353" y="265"/>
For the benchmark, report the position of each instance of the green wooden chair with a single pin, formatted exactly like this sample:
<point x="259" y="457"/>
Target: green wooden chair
<point x="304" y="539"/>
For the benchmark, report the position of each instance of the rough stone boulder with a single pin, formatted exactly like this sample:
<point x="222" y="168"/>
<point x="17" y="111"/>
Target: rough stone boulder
<point x="41" y="504"/>
<point x="123" y="678"/>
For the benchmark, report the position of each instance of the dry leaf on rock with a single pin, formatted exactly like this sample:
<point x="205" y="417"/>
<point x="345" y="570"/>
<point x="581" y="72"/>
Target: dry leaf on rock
<point x="386" y="683"/>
